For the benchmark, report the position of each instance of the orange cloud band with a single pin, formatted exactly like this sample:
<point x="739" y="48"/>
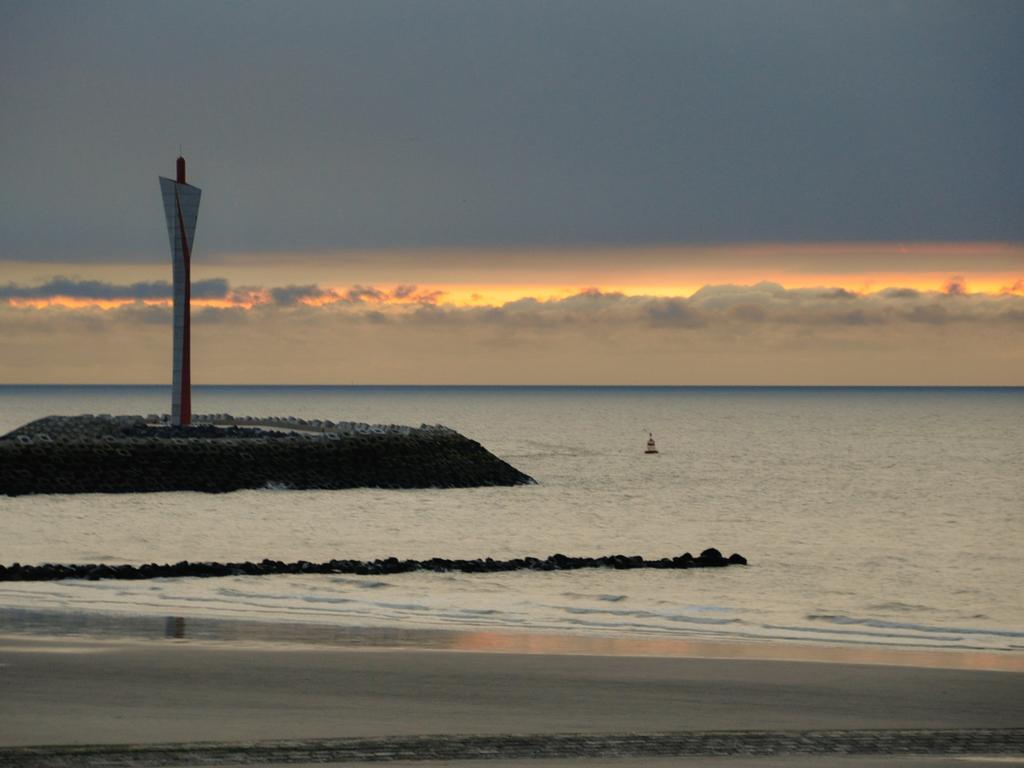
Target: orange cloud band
<point x="497" y="294"/>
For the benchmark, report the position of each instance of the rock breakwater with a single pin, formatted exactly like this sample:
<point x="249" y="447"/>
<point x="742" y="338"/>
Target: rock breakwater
<point x="709" y="558"/>
<point x="221" y="453"/>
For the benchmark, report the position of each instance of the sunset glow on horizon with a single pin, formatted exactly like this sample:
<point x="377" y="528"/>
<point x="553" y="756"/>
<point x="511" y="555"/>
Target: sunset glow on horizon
<point x="856" y="313"/>
<point x="496" y="277"/>
<point x="499" y="295"/>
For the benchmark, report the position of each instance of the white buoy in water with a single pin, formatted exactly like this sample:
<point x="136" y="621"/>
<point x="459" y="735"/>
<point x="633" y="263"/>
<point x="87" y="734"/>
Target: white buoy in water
<point x="651" y="447"/>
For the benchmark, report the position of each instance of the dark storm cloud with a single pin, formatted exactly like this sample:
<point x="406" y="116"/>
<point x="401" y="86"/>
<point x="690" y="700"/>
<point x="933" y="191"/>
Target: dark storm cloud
<point x="714" y="309"/>
<point x="214" y="288"/>
<point x="247" y="295"/>
<point x="99" y="290"/>
<point x="377" y="123"/>
<point x="720" y="307"/>
<point x="359" y="293"/>
<point x="931" y="314"/>
<point x="962" y="340"/>
<point x="673" y="313"/>
<point x="736" y="307"/>
<point x="294" y="294"/>
<point x="901" y="293"/>
<point x="290" y="295"/>
<point x="838" y="293"/>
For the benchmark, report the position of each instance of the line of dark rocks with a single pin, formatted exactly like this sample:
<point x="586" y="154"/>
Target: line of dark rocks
<point x="709" y="558"/>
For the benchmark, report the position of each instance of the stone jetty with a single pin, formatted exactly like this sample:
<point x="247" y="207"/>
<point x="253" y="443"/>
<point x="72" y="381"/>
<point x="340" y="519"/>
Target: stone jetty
<point x="220" y="453"/>
<point x="709" y="558"/>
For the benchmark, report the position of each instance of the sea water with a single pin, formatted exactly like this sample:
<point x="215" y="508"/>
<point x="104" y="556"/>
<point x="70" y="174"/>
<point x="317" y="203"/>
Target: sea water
<point x="883" y="516"/>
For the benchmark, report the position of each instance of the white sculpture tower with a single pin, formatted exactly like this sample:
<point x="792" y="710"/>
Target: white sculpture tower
<point x="181" y="207"/>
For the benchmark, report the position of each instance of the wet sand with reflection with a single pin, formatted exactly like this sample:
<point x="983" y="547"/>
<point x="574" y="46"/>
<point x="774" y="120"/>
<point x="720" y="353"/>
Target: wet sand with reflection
<point x="166" y="687"/>
<point x="296" y="636"/>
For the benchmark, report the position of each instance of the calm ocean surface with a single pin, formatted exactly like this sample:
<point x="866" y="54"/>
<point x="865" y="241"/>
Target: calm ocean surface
<point x="869" y="516"/>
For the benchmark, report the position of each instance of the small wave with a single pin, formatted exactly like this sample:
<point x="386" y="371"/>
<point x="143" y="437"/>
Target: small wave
<point x="710" y="608"/>
<point x="646" y="615"/>
<point x="235" y="593"/>
<point x="327" y="600"/>
<point x="97" y="585"/>
<point x="882" y="624"/>
<point x="898" y="607"/>
<point x="592" y="596"/>
<point x="228" y="592"/>
<point x="603" y="598"/>
<point x="404" y="606"/>
<point x="857" y="635"/>
<point x="361" y="583"/>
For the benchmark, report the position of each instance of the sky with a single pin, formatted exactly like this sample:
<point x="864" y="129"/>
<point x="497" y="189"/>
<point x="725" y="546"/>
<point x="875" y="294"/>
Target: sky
<point x="480" y="192"/>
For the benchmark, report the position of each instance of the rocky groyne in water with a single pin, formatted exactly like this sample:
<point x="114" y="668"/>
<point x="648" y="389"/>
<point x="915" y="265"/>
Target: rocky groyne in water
<point x="709" y="558"/>
<point x="221" y="453"/>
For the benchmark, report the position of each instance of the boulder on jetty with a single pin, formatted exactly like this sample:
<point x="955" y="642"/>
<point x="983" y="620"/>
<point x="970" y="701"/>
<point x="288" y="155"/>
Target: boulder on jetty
<point x="221" y="453"/>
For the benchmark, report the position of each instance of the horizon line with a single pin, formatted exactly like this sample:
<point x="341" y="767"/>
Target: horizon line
<point x="532" y="386"/>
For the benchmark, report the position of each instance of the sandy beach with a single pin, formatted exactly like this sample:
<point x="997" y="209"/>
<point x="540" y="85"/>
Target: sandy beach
<point x="64" y="691"/>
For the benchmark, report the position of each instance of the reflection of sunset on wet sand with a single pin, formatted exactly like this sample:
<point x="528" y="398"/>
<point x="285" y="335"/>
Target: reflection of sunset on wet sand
<point x="510" y="642"/>
<point x="229" y="635"/>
